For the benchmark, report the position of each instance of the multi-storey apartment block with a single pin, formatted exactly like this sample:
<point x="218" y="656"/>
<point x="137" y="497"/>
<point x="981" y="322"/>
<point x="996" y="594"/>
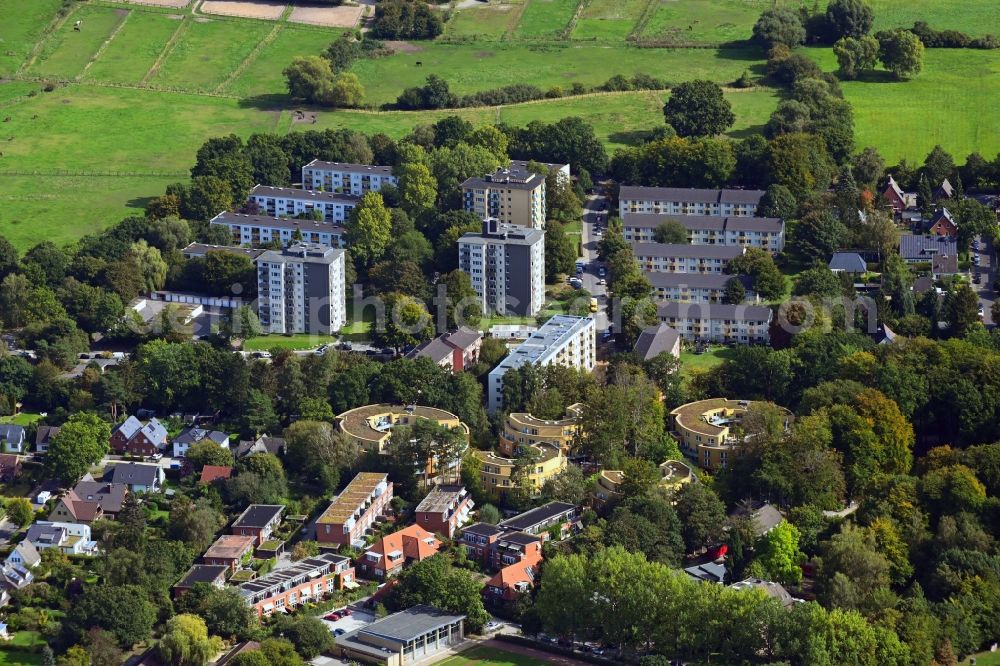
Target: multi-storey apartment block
<point x="685" y="201"/>
<point x="506" y="265"/>
<point x="523" y="429"/>
<point x="496" y="472"/>
<point x="742" y="324"/>
<point x="562" y="340"/>
<point x="329" y="207"/>
<point x="301" y="289"/>
<point x="677" y="258"/>
<point x="261" y="230"/>
<point x="697" y="287"/>
<point x="709" y="431"/>
<point x="355" y="179"/>
<point x="767" y="233"/>
<point x="445" y="509"/>
<point x="353" y="512"/>
<point x="302" y="582"/>
<point x="511" y="195"/>
<point x="370" y="426"/>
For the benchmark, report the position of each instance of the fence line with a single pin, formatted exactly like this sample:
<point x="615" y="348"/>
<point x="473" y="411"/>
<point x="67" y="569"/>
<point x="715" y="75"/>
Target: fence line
<point x="105" y="173"/>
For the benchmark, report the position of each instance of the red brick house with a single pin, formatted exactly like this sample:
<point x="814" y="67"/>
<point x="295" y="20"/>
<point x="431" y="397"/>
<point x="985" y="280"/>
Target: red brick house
<point x="388" y="555"/>
<point x="479" y="540"/>
<point x="445" y="509"/>
<point x="229" y="550"/>
<point x="897" y="198"/>
<point x="511" y="581"/>
<point x="943" y="224"/>
<point x="258" y="521"/>
<point x="135" y="439"/>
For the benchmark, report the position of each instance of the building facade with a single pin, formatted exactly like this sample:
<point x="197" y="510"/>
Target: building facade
<point x="406" y="637"/>
<point x="258" y="521"/>
<point x="497" y="472"/>
<point x="301" y="290"/>
<point x="444" y="510"/>
<point x="258" y="230"/>
<point x="390" y="554"/>
<point x="506" y="265"/>
<point x="697" y="287"/>
<point x="562" y="340"/>
<point x="304" y="581"/>
<point x="370" y="427"/>
<point x="709" y="430"/>
<point x="674" y="258"/>
<point x="330" y="207"/>
<point x="737" y="324"/>
<point x="766" y="233"/>
<point x="523" y="429"/>
<point x="685" y="201"/>
<point x="511" y="195"/>
<point x="354" y="179"/>
<point x="353" y="512"/>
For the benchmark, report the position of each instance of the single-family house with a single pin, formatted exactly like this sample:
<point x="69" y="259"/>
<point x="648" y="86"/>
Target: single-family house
<point x="389" y="555"/>
<point x="764" y="517"/>
<point x="209" y="574"/>
<point x="213" y="473"/>
<point x="943" y="224"/>
<point x="137" y="477"/>
<point x="770" y="588"/>
<point x="851" y="263"/>
<point x="71" y="508"/>
<point x="897" y="198"/>
<point x="43" y="437"/>
<point x="944" y="191"/>
<point x="193" y="435"/>
<point x="454" y="351"/>
<point x="229" y="550"/>
<point x="24" y="555"/>
<point x="69" y="538"/>
<point x="511" y="582"/>
<point x="258" y="521"/>
<point x="111" y="496"/>
<point x="263" y="444"/>
<point x="16" y="577"/>
<point x="916" y="249"/>
<point x="709" y="572"/>
<point x="884" y="335"/>
<point x="134" y="438"/>
<point x="11" y="438"/>
<point x="10" y="467"/>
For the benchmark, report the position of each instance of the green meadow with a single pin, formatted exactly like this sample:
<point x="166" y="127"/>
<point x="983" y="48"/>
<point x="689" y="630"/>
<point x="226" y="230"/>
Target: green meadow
<point x="22" y="26"/>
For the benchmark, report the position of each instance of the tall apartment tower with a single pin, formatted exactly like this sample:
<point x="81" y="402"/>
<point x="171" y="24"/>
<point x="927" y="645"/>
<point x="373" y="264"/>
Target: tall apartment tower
<point x="511" y="195"/>
<point x="506" y="265"/>
<point x="300" y="289"/>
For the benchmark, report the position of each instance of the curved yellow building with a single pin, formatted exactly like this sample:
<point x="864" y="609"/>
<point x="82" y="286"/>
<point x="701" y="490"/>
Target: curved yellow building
<point x="673" y="475"/>
<point x="523" y="429"/>
<point x="710" y="430"/>
<point x="496" y="471"/>
<point x="371" y="426"/>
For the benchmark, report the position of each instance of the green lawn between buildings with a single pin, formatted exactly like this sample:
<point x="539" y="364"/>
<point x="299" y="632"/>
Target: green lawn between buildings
<point x="488" y="656"/>
<point x="692" y="363"/>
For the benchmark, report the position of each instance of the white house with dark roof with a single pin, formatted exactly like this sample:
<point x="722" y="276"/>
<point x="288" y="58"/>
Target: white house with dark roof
<point x="193" y="435"/>
<point x="69" y="538"/>
<point x="24" y="555"/>
<point x="12" y="438"/>
<point x="139" y="478"/>
<point x="355" y="179"/>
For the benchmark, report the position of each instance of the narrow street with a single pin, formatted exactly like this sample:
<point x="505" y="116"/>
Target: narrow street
<point x="988" y="268"/>
<point x="588" y="240"/>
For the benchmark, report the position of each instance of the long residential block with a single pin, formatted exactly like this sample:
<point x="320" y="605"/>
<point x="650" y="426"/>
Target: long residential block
<point x="718" y="322"/>
<point x="767" y="233"/>
<point x="355" y="179"/>
<point x="300" y="289"/>
<point x="290" y="202"/>
<point x="697" y="287"/>
<point x="562" y="340"/>
<point x="302" y="582"/>
<point x="687" y="201"/>
<point x="506" y="265"/>
<point x="353" y="512"/>
<point x="679" y="258"/>
<point x="263" y="230"/>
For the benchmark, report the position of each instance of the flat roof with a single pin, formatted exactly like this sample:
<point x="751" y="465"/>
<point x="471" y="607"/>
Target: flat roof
<point x="440" y="498"/>
<point x="350" y="168"/>
<point x="713" y="311"/>
<point x="301" y="253"/>
<point x="537" y="515"/>
<point x="507" y="234"/>
<point x="306" y="568"/>
<point x="692" y="414"/>
<point x="411" y="623"/>
<point x="681" y="194"/>
<point x="202" y="249"/>
<point x="686" y="251"/>
<point x="230" y="546"/>
<point x="357" y="422"/>
<point x="552" y="335"/>
<point x="265" y="221"/>
<point x="302" y="195"/>
<point x="482" y="529"/>
<point x="355" y="494"/>
<point x="259" y="515"/>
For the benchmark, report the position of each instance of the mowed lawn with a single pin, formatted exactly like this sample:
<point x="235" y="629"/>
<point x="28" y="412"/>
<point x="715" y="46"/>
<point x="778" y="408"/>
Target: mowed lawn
<point x="20" y="29"/>
<point x="952" y="102"/>
<point x="135" y="48"/>
<point x="489" y="22"/>
<point x="208" y="51"/>
<point x="488" y="656"/>
<point x="609" y="19"/>
<point x="67" y="51"/>
<point x="704" y="21"/>
<point x="470" y="68"/>
<point x="546" y="18"/>
<point x="264" y="75"/>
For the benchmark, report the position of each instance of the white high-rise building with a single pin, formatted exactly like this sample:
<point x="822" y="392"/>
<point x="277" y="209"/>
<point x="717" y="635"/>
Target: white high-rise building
<point x="300" y="289"/>
<point x="506" y="264"/>
<point x="563" y="340"/>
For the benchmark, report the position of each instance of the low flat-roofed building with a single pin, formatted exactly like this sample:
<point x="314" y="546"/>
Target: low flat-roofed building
<point x="683" y="258"/>
<point x="304" y="581"/>
<point x="540" y="519"/>
<point x="229" y="550"/>
<point x="709" y="430"/>
<point x="444" y="510"/>
<point x="719" y="322"/>
<point x="405" y="637"/>
<point x="259" y="230"/>
<point x="354" y="179"/>
<point x="523" y="429"/>
<point x="353" y="512"/>
<point x="290" y="202"/>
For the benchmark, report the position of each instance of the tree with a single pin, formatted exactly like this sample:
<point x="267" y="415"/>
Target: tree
<point x="489" y="514"/>
<point x="819" y="281"/>
<point x="463" y="307"/>
<point x="101" y="605"/>
<point x="405" y="19"/>
<point x="961" y="309"/>
<point x="20" y="512"/>
<point x="406" y="322"/>
<point x="698" y="108"/>
<point x="186" y="642"/>
<point x="780" y="556"/>
<point x="565" y="596"/>
<point x="848" y="18"/>
<point x="901" y="52"/>
<point x="433" y="581"/>
<point x="702" y="515"/>
<point x="779" y="25"/>
<point x="226" y="613"/>
<point x="8" y="257"/>
<point x="315" y="450"/>
<point x="417" y="187"/>
<point x="671" y="231"/>
<point x="81" y="442"/>
<point x="778" y="202"/>
<point x="868" y="167"/>
<point x="369" y="229"/>
<point x="569" y="485"/>
<point x="195" y="523"/>
<point x="309" y="78"/>
<point x="734" y="292"/>
<point x="346" y="91"/>
<point x="307" y="633"/>
<point x="758" y="264"/>
<point x="243" y="323"/>
<point x="207" y="452"/>
<point x="622" y="420"/>
<point x="206" y="197"/>
<point x="855" y="55"/>
<point x="560" y="252"/>
<point x="801" y="163"/>
<point x="938" y="165"/>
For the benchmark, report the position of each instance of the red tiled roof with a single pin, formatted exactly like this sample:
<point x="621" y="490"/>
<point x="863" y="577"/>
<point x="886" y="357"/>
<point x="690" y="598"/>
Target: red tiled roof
<point x="511" y="575"/>
<point x="212" y="473"/>
<point x="414" y="542"/>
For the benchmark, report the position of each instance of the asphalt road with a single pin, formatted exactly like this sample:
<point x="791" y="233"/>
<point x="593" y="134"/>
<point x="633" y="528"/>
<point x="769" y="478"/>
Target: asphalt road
<point x="589" y="240"/>
<point x="988" y="268"/>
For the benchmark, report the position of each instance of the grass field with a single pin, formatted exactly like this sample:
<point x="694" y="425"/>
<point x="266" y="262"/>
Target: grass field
<point x="297" y="341"/>
<point x="692" y="363"/>
<point x="19" y="658"/>
<point x="208" y="51"/>
<point x="263" y="76"/>
<point x="488" y="22"/>
<point x="546" y="18"/>
<point x="975" y="17"/>
<point x="487" y="656"/>
<point x="984" y="659"/>
<point x="67" y="51"/>
<point x="12" y="90"/>
<point x="22" y="419"/>
<point x="704" y="21"/>
<point x="22" y="25"/>
<point x="134" y="49"/>
<point x="611" y="20"/>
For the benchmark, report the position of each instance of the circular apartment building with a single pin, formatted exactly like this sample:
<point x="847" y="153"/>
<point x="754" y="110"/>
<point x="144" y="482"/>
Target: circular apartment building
<point x="371" y="426"/>
<point x="711" y="430"/>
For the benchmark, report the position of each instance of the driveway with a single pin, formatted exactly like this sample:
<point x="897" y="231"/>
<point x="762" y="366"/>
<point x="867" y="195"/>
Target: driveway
<point x="7" y="530"/>
<point x="355" y="620"/>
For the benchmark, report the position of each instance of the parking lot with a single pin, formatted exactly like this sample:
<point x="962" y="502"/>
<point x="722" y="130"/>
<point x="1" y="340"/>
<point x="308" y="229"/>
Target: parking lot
<point x="355" y="620"/>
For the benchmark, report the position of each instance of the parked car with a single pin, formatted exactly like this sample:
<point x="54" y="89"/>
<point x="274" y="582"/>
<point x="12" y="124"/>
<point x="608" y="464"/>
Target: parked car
<point x="344" y="346"/>
<point x="602" y="272"/>
<point x="339" y="632"/>
<point x="602" y="282"/>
